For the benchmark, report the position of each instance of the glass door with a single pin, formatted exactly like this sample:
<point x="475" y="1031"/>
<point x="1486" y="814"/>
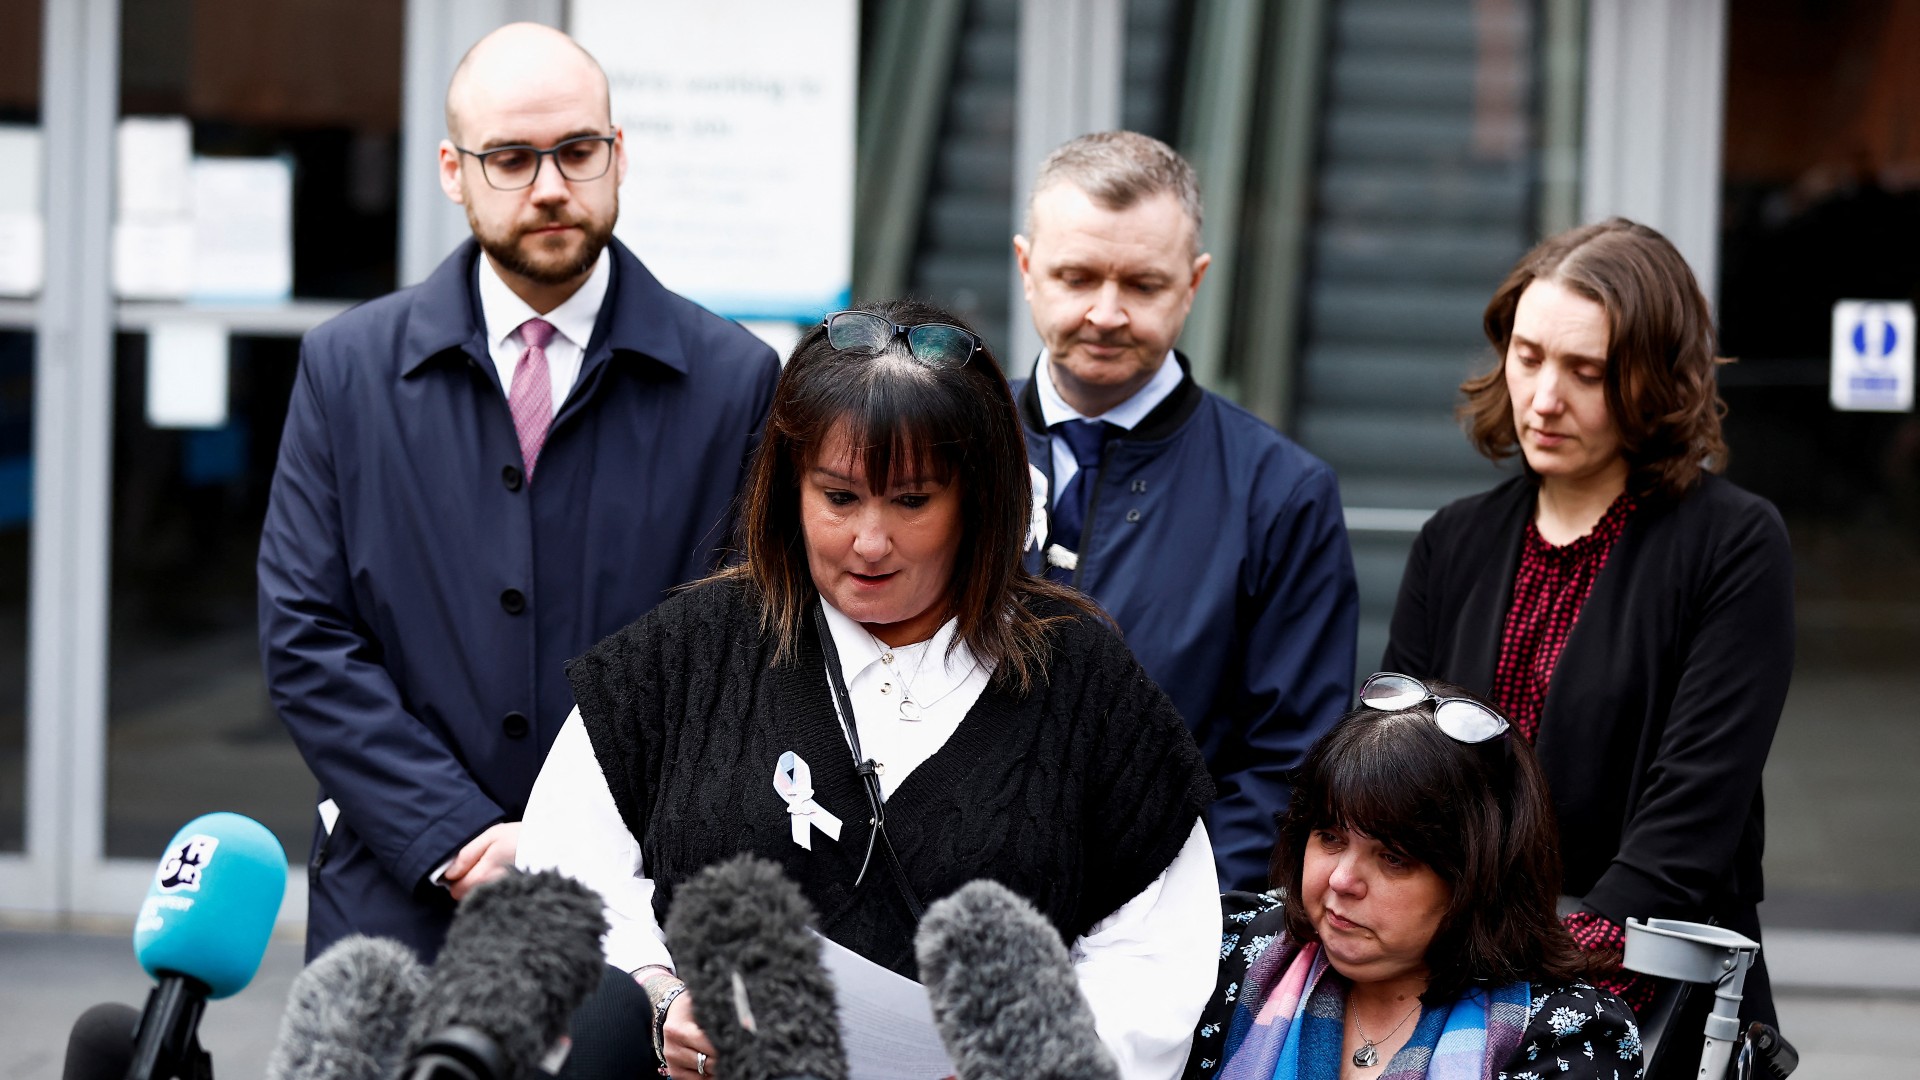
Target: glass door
<point x="1822" y="200"/>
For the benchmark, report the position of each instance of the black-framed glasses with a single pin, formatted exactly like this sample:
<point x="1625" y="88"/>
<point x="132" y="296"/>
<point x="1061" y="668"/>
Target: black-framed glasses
<point x="1462" y="719"/>
<point x="934" y="344"/>
<point x="510" y="168"/>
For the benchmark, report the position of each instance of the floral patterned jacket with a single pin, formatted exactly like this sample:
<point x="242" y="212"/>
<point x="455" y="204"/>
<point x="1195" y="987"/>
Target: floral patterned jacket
<point x="1573" y="1030"/>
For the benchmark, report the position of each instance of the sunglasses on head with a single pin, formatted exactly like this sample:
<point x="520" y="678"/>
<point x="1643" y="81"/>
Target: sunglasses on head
<point x="1461" y="719"/>
<point x="940" y="345"/>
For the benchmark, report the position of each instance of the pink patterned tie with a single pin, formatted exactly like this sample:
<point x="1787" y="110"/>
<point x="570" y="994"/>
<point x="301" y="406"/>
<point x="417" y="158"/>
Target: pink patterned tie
<point x="531" y="398"/>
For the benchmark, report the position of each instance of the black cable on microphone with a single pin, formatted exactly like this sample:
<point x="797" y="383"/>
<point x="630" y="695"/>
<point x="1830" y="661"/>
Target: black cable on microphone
<point x="523" y="952"/>
<point x="739" y="935"/>
<point x="1003" y="990"/>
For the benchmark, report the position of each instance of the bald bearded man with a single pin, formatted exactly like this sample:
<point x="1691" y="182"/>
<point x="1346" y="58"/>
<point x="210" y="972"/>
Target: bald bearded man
<point x="480" y="477"/>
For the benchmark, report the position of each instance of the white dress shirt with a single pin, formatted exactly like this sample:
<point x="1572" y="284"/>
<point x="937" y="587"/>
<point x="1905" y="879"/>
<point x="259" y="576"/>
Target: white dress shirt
<point x="502" y="311"/>
<point x="1128" y="414"/>
<point x="1146" y="969"/>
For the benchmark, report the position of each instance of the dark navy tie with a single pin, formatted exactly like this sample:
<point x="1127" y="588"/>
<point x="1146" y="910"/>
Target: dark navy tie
<point x="1086" y="438"/>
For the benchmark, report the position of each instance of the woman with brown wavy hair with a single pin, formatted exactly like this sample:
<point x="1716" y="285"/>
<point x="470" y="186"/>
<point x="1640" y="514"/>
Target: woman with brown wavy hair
<point x="1627" y="608"/>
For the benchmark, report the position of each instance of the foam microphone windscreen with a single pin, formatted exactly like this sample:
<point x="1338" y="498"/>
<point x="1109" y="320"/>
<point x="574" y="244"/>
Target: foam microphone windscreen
<point x="739" y="936"/>
<point x="347" y="1013"/>
<point x="1003" y="990"/>
<point x="211" y="905"/>
<point x="100" y="1046"/>
<point x="522" y="953"/>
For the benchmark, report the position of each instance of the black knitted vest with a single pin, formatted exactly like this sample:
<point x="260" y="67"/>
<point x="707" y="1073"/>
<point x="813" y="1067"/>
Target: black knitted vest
<point x="1077" y="796"/>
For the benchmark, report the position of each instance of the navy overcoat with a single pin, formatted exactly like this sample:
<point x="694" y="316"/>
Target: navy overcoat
<point x="419" y="596"/>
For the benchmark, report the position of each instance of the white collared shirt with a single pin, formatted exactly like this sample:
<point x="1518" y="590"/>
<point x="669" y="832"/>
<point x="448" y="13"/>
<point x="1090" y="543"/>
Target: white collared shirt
<point x="502" y="311"/>
<point x="943" y="686"/>
<point x="1127" y="415"/>
<point x="1146" y="969"/>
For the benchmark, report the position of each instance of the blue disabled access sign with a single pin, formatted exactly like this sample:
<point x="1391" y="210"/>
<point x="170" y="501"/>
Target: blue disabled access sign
<point x="1872" y="356"/>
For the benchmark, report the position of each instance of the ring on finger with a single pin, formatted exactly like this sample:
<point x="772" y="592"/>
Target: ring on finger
<point x="700" y="1063"/>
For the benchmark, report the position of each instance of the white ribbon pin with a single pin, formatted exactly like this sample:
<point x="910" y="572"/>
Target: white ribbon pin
<point x="794" y="781"/>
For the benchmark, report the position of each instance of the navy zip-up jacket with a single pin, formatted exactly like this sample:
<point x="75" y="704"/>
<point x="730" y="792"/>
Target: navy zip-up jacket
<point x="419" y="596"/>
<point x="1219" y="547"/>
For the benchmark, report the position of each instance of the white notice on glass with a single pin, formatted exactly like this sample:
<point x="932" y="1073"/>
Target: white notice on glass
<point x="22" y="230"/>
<point x="242" y="229"/>
<point x="187" y="374"/>
<point x="1873" y="350"/>
<point x="154" y="155"/>
<point x="886" y="1021"/>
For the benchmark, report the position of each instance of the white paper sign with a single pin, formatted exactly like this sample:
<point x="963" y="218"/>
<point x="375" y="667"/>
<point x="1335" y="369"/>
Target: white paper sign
<point x="187" y="374"/>
<point x="1872" y="356"/>
<point x="23" y="253"/>
<point x="153" y="260"/>
<point x="738" y="117"/>
<point x="23" y="266"/>
<point x="154" y="155"/>
<point x="242" y="229"/>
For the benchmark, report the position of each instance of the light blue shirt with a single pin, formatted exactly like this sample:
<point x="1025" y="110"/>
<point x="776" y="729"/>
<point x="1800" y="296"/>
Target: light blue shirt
<point x="1127" y="415"/>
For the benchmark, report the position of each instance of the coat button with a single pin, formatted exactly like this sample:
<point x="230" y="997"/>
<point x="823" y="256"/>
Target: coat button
<point x="511" y="477"/>
<point x="1133" y="517"/>
<point x="513" y="602"/>
<point x="515" y="725"/>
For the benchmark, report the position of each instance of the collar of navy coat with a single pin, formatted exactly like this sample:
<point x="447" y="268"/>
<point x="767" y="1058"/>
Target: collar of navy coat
<point x="636" y="318"/>
<point x="1163" y="421"/>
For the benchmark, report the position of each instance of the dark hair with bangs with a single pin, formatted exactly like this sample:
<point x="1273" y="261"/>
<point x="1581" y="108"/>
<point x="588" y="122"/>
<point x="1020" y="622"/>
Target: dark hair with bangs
<point x="1659" y="378"/>
<point x="904" y="417"/>
<point x="1478" y="814"/>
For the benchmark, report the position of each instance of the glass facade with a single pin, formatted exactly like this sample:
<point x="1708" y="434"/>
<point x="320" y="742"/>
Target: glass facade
<point x="1821" y="203"/>
<point x="20" y="32"/>
<point x="1424" y="179"/>
<point x="189" y="726"/>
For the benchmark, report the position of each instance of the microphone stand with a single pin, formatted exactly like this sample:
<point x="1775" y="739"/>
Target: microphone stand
<point x="167" y="1044"/>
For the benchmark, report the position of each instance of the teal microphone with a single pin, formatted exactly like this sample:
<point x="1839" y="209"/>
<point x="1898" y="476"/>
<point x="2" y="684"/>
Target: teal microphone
<point x="201" y="933"/>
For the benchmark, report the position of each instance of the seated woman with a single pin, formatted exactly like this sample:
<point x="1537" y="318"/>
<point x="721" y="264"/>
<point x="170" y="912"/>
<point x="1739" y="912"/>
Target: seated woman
<point x="1411" y="932"/>
<point x="879" y="655"/>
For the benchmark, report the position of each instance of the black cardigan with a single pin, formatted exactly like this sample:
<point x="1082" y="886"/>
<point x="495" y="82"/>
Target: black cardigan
<point x="1077" y="795"/>
<point x="1664" y="701"/>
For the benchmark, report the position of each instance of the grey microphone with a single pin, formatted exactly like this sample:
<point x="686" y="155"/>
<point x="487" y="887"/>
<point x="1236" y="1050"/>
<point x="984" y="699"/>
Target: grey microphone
<point x="347" y="1013"/>
<point x="739" y="935"/>
<point x="523" y="952"/>
<point x="1003" y="990"/>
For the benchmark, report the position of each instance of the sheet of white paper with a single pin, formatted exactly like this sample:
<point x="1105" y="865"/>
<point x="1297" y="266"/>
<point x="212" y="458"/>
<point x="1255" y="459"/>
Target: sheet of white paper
<point x="153" y="260"/>
<point x="242" y="229"/>
<point x="187" y="374"/>
<point x="886" y="1021"/>
<point x="154" y="156"/>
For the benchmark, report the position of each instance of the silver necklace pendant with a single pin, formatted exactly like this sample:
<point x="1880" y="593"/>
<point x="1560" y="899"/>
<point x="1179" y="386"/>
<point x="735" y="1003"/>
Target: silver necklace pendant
<point x="910" y="709"/>
<point x="1366" y="1057"/>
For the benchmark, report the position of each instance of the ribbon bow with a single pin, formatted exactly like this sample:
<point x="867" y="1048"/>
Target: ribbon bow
<point x="794" y="781"/>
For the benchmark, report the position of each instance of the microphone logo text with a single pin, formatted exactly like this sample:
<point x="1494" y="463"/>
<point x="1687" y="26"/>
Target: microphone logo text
<point x="182" y="867"/>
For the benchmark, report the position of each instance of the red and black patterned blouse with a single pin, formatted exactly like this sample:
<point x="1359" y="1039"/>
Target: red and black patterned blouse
<point x="1549" y="589"/>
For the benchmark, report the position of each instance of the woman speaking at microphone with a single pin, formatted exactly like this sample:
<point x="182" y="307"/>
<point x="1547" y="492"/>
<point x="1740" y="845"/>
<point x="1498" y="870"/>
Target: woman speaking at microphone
<point x="879" y="699"/>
